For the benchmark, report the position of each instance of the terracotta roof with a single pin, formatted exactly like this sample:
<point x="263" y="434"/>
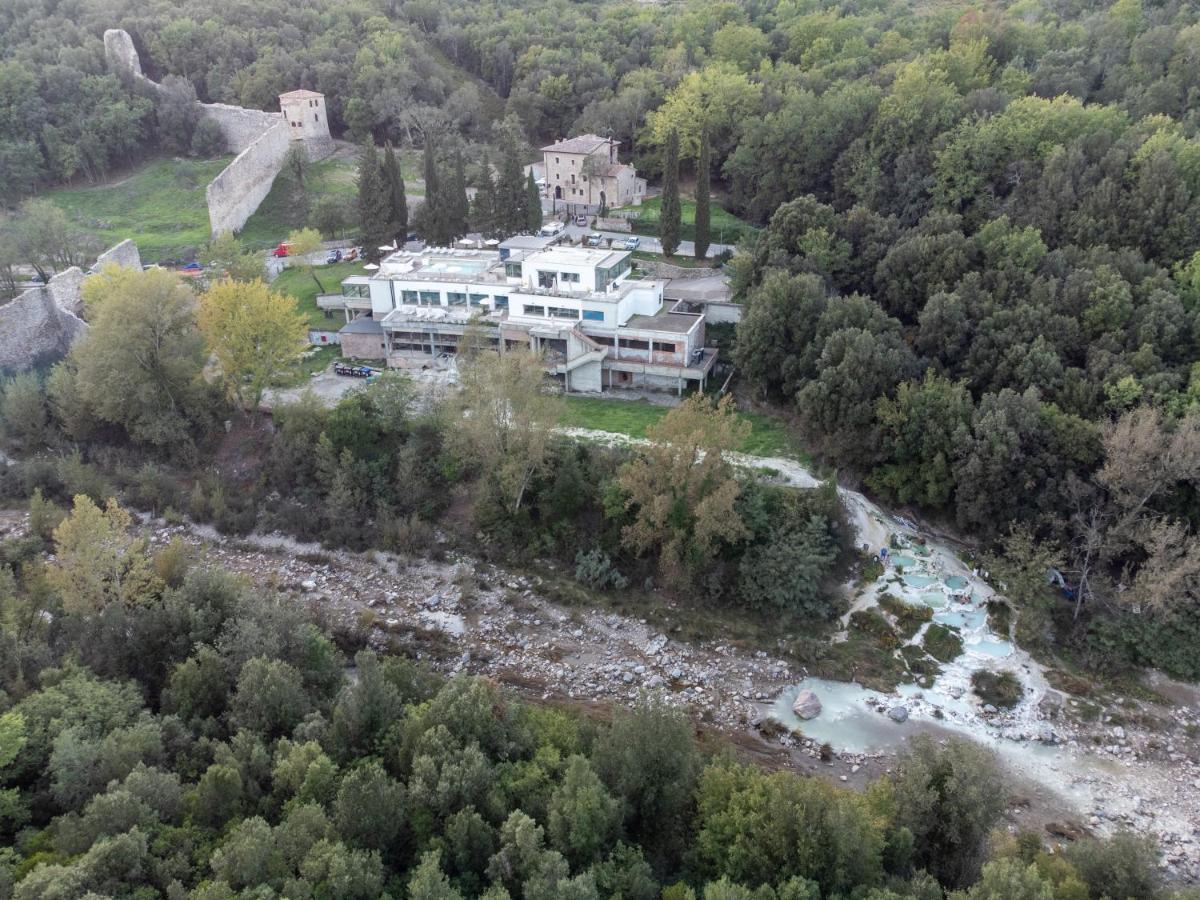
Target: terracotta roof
<point x="300" y="95"/>
<point x="583" y="143"/>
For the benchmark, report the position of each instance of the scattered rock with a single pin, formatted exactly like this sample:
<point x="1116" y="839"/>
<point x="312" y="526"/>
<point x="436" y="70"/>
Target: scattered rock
<point x="807" y="705"/>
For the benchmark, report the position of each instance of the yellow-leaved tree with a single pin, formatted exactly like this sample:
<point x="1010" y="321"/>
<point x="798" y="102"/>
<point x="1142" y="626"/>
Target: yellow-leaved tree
<point x="255" y="334"/>
<point x="98" y="562"/>
<point x="302" y="244"/>
<point x="681" y="489"/>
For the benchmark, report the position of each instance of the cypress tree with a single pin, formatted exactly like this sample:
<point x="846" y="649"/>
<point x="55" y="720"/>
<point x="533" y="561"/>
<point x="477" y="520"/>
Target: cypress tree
<point x="669" y="214"/>
<point x="458" y="208"/>
<point x="374" y="202"/>
<point x="434" y="216"/>
<point x="510" y="193"/>
<point x="483" y="209"/>
<point x="397" y="202"/>
<point x="703" y="199"/>
<point x="533" y="205"/>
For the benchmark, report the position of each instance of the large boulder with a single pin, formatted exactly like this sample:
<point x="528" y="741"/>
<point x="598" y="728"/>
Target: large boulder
<point x="807" y="705"/>
<point x="898" y="714"/>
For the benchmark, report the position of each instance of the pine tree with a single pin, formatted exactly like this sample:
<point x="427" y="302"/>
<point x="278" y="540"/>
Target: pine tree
<point x="457" y="206"/>
<point x="532" y="205"/>
<point x="483" y="209"/>
<point x="398" y="203"/>
<point x="374" y="204"/>
<point x="703" y="199"/>
<point x="669" y="214"/>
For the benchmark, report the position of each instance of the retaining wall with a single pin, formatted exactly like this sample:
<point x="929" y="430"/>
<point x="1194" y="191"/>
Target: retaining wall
<point x="666" y="270"/>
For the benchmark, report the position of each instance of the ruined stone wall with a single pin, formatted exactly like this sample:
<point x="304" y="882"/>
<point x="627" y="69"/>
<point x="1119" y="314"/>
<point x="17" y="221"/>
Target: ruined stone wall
<point x="241" y="127"/>
<point x="237" y="191"/>
<point x="38" y="325"/>
<point x="124" y="254"/>
<point x="259" y="138"/>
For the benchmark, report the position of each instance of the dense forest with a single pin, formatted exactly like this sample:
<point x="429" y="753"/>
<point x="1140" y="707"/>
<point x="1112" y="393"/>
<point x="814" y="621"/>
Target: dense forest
<point x="976" y="290"/>
<point x="170" y="732"/>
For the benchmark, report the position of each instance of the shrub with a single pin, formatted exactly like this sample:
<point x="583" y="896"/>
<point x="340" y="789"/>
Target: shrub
<point x="871" y="623"/>
<point x="909" y="617"/>
<point x="1125" y="865"/>
<point x="1001" y="689"/>
<point x="594" y="569"/>
<point x="24" y="415"/>
<point x="942" y="643"/>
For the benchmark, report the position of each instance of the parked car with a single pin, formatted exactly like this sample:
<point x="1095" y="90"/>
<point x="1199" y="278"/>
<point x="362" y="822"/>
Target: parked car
<point x="351" y="255"/>
<point x="281" y="250"/>
<point x="333" y="256"/>
<point x="632" y="243"/>
<point x="551" y="228"/>
<point x="581" y="221"/>
<point x="594" y="239"/>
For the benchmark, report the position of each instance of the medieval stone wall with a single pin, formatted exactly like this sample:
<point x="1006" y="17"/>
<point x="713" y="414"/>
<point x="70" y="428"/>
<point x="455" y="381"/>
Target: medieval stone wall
<point x="38" y="326"/>
<point x="124" y="254"/>
<point x="259" y="138"/>
<point x="237" y="191"/>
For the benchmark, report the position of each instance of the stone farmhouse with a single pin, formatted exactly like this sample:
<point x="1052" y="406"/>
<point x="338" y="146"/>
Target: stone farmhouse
<point x="581" y="175"/>
<point x="598" y="324"/>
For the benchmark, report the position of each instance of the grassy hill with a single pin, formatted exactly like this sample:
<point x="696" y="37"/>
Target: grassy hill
<point x="336" y="176"/>
<point x="159" y="204"/>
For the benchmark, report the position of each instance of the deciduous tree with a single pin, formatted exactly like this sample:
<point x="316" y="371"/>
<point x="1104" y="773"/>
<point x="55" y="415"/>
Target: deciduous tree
<point x="682" y="491"/>
<point x="505" y="420"/>
<point x="139" y="366"/>
<point x="255" y="334"/>
<point x="98" y="562"/>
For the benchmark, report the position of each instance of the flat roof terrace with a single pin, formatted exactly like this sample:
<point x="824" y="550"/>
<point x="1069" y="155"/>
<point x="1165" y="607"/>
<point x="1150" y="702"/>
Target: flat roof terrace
<point x="671" y="323"/>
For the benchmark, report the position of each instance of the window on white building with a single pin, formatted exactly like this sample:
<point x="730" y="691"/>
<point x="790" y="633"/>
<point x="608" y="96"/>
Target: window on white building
<point x="534" y="310"/>
<point x="562" y="312"/>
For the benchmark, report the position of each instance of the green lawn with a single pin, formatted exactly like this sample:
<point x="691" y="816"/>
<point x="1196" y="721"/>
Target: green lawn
<point x="768" y="437"/>
<point x="275" y="217"/>
<point x="297" y="282"/>
<point x="159" y="204"/>
<point x="725" y="227"/>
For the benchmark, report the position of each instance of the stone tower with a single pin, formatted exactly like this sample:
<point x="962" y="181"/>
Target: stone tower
<point x="304" y="112"/>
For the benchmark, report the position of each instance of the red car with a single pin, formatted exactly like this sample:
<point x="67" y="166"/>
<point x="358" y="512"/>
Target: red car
<point x="282" y="249"/>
